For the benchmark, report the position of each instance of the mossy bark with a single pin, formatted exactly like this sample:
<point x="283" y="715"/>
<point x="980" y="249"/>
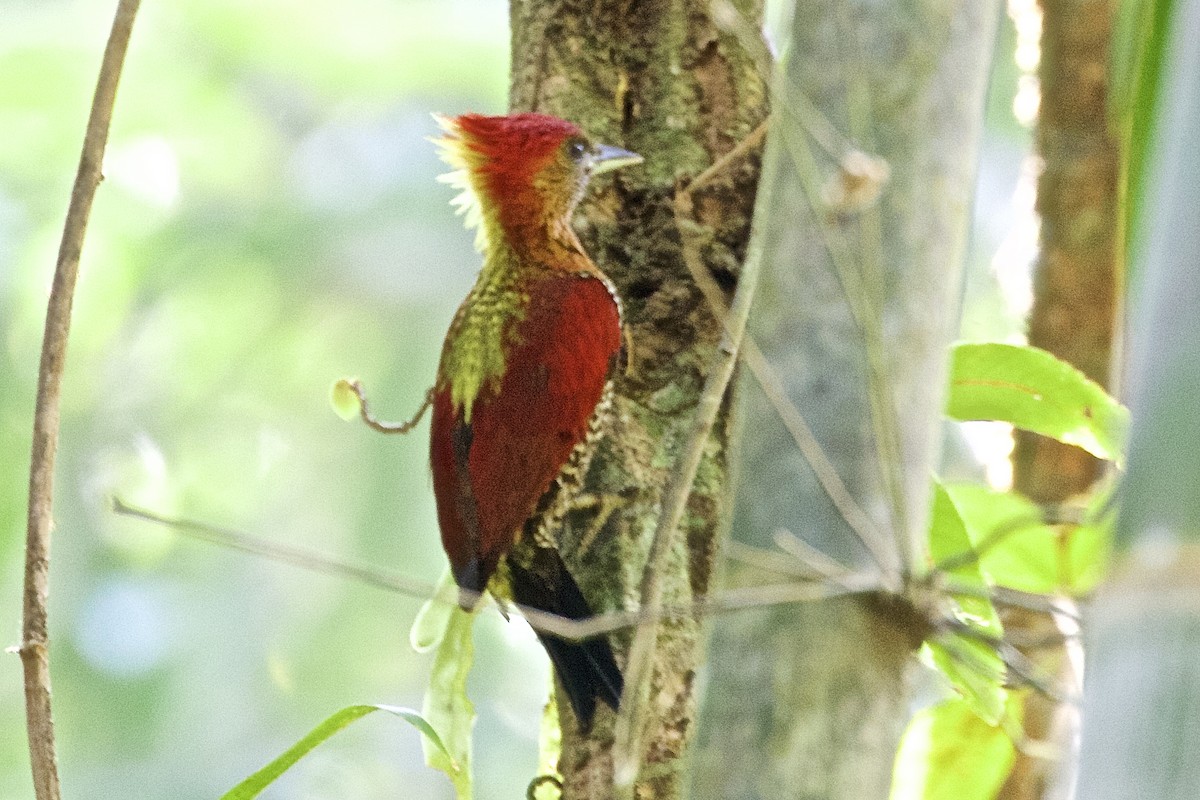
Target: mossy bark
<point x="858" y="304"/>
<point x="659" y="77"/>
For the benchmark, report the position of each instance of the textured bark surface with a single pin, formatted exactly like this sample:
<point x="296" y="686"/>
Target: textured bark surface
<point x="858" y="305"/>
<point x="1074" y="313"/>
<point x="660" y="78"/>
<point x="1075" y="301"/>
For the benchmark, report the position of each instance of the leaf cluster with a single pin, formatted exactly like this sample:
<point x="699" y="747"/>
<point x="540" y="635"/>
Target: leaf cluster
<point x="985" y="543"/>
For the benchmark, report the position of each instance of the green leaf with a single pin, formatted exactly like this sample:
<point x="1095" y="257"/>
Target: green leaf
<point x="432" y="620"/>
<point x="971" y="665"/>
<point x="950" y="541"/>
<point x="1019" y="551"/>
<point x="974" y="670"/>
<point x="447" y="706"/>
<point x="260" y="780"/>
<point x="344" y="399"/>
<point x="1035" y="391"/>
<point x="1088" y="549"/>
<point x="949" y="753"/>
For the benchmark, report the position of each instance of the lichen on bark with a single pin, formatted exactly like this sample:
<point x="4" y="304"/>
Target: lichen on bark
<point x="661" y="78"/>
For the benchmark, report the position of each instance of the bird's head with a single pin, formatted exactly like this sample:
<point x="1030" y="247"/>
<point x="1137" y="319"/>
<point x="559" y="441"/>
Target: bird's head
<point x="520" y="172"/>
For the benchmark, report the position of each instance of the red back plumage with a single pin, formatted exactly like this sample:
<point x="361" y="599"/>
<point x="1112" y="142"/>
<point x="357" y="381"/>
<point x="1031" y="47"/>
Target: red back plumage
<point x="489" y="475"/>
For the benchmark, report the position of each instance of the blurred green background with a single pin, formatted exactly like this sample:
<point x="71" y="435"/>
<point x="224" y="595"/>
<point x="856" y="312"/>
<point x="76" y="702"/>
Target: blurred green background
<point x="269" y="223"/>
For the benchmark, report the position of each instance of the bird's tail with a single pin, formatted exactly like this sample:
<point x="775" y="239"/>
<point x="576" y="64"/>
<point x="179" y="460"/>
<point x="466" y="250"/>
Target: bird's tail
<point x="587" y="669"/>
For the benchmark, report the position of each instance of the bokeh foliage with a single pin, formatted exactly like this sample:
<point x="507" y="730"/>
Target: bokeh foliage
<point x="268" y="222"/>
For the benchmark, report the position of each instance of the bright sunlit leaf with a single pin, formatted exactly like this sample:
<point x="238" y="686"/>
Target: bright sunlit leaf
<point x="949" y="542"/>
<point x="1086" y="554"/>
<point x="974" y="670"/>
<point x="252" y="786"/>
<point x="1089" y="547"/>
<point x="1033" y="390"/>
<point x="1019" y="551"/>
<point x="949" y="753"/>
<point x="447" y="706"/>
<point x="969" y="663"/>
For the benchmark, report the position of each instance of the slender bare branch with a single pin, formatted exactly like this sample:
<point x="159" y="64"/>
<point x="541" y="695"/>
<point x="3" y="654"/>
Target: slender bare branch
<point x="772" y="561"/>
<point x="287" y="554"/>
<point x="742" y="149"/>
<point x="811" y="121"/>
<point x="868" y="533"/>
<point x="35" y="654"/>
<point x="875" y="542"/>
<point x="641" y="655"/>
<point x="575" y="630"/>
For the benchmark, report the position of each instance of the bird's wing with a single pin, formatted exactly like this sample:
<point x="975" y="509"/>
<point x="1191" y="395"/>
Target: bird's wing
<point x="490" y="473"/>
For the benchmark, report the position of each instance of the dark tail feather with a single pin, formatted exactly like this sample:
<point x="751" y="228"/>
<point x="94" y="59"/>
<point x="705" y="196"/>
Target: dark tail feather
<point x="587" y="669"/>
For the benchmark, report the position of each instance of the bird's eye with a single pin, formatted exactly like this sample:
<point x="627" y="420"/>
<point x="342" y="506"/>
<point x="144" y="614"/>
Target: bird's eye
<point x="576" y="148"/>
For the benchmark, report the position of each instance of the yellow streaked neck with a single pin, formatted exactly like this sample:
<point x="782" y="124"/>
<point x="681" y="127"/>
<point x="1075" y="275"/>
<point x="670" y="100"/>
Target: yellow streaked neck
<point x="474" y="357"/>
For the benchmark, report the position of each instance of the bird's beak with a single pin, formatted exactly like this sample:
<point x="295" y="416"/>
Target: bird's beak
<point x="606" y="158"/>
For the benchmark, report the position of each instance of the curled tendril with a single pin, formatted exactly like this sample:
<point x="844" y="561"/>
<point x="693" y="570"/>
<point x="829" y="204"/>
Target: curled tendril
<point x="540" y="781"/>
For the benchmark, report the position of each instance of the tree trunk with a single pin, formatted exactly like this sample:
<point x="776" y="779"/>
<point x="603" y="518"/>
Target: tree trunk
<point x="1075" y="283"/>
<point x="858" y="306"/>
<point x="1074" y="314"/>
<point x="662" y="78"/>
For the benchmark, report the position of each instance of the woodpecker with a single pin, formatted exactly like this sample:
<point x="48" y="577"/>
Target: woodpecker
<point x="524" y="386"/>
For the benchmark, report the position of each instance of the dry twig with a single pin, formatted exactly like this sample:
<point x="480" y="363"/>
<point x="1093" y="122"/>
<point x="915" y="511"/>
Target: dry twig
<point x="34" y="647"/>
<point x="795" y="591"/>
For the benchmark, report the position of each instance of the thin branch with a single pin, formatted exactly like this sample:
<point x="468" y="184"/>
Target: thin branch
<point x="771" y="561"/>
<point x="1011" y="598"/>
<point x="901" y="554"/>
<point x="1017" y="663"/>
<point x="740" y="150"/>
<point x="35" y="654"/>
<point x="728" y="601"/>
<point x="628" y="733"/>
<point x="573" y="630"/>
<point x="809" y="120"/>
<point x="287" y="554"/>
<point x="1057" y="606"/>
<point x="807" y="588"/>
<point x="875" y="542"/>
<point x="815" y="123"/>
